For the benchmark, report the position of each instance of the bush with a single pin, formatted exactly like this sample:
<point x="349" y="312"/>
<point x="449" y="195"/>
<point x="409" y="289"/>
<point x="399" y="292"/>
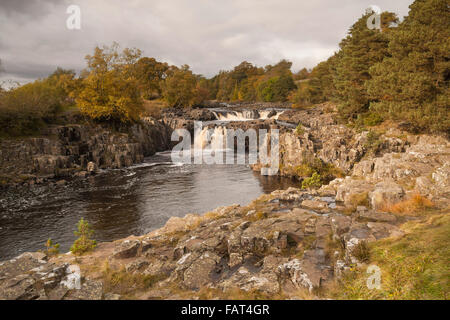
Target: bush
<point x="315" y="181"/>
<point x="52" y="248"/>
<point x="27" y="108"/>
<point x="84" y="243"/>
<point x="359" y="199"/>
<point x="373" y="142"/>
<point x="299" y="130"/>
<point x="311" y="165"/>
<point x="361" y="251"/>
<point x="122" y="282"/>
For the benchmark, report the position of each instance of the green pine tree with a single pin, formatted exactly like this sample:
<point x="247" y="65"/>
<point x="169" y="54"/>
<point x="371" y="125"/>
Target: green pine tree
<point x="361" y="49"/>
<point x="412" y="83"/>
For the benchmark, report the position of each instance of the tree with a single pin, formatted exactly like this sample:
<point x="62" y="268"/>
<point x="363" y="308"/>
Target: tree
<point x="276" y="88"/>
<point x="412" y="83"/>
<point x="302" y="74"/>
<point x="109" y="87"/>
<point x="149" y="74"/>
<point x="360" y="50"/>
<point x="180" y="88"/>
<point x="84" y="242"/>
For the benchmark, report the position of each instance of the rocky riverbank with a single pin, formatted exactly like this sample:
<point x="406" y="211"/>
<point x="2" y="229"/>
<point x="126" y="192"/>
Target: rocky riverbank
<point x="72" y="150"/>
<point x="290" y="244"/>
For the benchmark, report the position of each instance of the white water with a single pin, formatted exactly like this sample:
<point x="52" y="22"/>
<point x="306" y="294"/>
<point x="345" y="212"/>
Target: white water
<point x="246" y="115"/>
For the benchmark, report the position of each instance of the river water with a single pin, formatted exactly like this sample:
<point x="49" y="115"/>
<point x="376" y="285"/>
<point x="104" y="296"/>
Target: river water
<point x="118" y="203"/>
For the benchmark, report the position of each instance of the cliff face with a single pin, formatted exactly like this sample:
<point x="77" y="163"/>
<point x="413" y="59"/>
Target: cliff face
<point x="320" y="136"/>
<point x="66" y="150"/>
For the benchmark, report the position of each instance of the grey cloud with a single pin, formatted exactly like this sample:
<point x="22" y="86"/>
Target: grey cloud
<point x="27" y="7"/>
<point x="208" y="35"/>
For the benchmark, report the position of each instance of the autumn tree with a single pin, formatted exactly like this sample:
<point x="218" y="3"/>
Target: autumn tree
<point x="110" y="87"/>
<point x="180" y="88"/>
<point x="149" y="74"/>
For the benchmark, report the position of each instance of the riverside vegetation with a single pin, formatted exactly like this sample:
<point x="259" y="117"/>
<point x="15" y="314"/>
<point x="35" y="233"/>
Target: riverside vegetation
<point x="373" y="164"/>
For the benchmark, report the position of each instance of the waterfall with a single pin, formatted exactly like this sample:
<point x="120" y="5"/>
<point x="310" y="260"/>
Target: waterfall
<point x="246" y="115"/>
<point x="211" y="138"/>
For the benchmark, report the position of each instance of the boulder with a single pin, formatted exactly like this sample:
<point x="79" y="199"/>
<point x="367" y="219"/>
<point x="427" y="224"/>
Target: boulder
<point x="385" y="192"/>
<point x="126" y="249"/>
<point x="91" y="167"/>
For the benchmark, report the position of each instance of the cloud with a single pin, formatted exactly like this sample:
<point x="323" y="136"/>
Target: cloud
<point x="208" y="35"/>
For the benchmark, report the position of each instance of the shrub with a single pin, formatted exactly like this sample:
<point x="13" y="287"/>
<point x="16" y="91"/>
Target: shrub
<point x="361" y="251"/>
<point x="373" y="142"/>
<point x="299" y="130"/>
<point x="52" y="248"/>
<point x="413" y="205"/>
<point x="315" y="181"/>
<point x="84" y="243"/>
<point x="311" y="165"/>
<point x="27" y="108"/>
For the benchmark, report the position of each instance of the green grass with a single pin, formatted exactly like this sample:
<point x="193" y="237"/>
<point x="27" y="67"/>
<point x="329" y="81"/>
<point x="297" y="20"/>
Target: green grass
<point x="415" y="266"/>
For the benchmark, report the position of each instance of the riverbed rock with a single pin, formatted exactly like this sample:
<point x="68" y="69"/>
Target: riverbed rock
<point x="126" y="249"/>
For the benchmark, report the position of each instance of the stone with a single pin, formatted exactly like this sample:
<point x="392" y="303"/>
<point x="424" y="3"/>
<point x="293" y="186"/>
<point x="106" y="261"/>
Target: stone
<point x="61" y="182"/>
<point x="112" y="296"/>
<point x="385" y="192"/>
<point x="377" y="216"/>
<point x="200" y="271"/>
<point x="91" y="167"/>
<point x="315" y="204"/>
<point x="73" y="277"/>
<point x="340" y="225"/>
<point x="383" y="230"/>
<point x="310" y="272"/>
<point x="90" y="290"/>
<point x="126" y="249"/>
<point x="136" y="265"/>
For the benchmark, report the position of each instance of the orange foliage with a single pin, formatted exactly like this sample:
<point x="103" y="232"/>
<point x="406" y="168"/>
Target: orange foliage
<point x="412" y="205"/>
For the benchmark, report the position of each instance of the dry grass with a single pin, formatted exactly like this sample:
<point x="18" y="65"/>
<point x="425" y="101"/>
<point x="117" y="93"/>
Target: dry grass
<point x="361" y="251"/>
<point x="414" y="205"/>
<point x="237" y="294"/>
<point x="125" y="283"/>
<point x="359" y="199"/>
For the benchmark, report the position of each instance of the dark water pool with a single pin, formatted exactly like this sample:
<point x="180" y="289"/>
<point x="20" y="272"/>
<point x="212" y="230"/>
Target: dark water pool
<point x="122" y="202"/>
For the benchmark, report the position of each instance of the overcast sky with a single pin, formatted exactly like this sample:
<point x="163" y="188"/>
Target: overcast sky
<point x="209" y="35"/>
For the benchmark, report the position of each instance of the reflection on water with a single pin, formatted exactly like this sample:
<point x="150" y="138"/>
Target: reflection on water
<point x="122" y="202"/>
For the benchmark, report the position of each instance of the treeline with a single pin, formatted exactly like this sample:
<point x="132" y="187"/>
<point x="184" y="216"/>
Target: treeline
<point x="397" y="73"/>
<point x="247" y="82"/>
<point x="117" y="85"/>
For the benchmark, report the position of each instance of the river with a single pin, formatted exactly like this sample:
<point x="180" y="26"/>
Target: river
<point x="122" y="202"/>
